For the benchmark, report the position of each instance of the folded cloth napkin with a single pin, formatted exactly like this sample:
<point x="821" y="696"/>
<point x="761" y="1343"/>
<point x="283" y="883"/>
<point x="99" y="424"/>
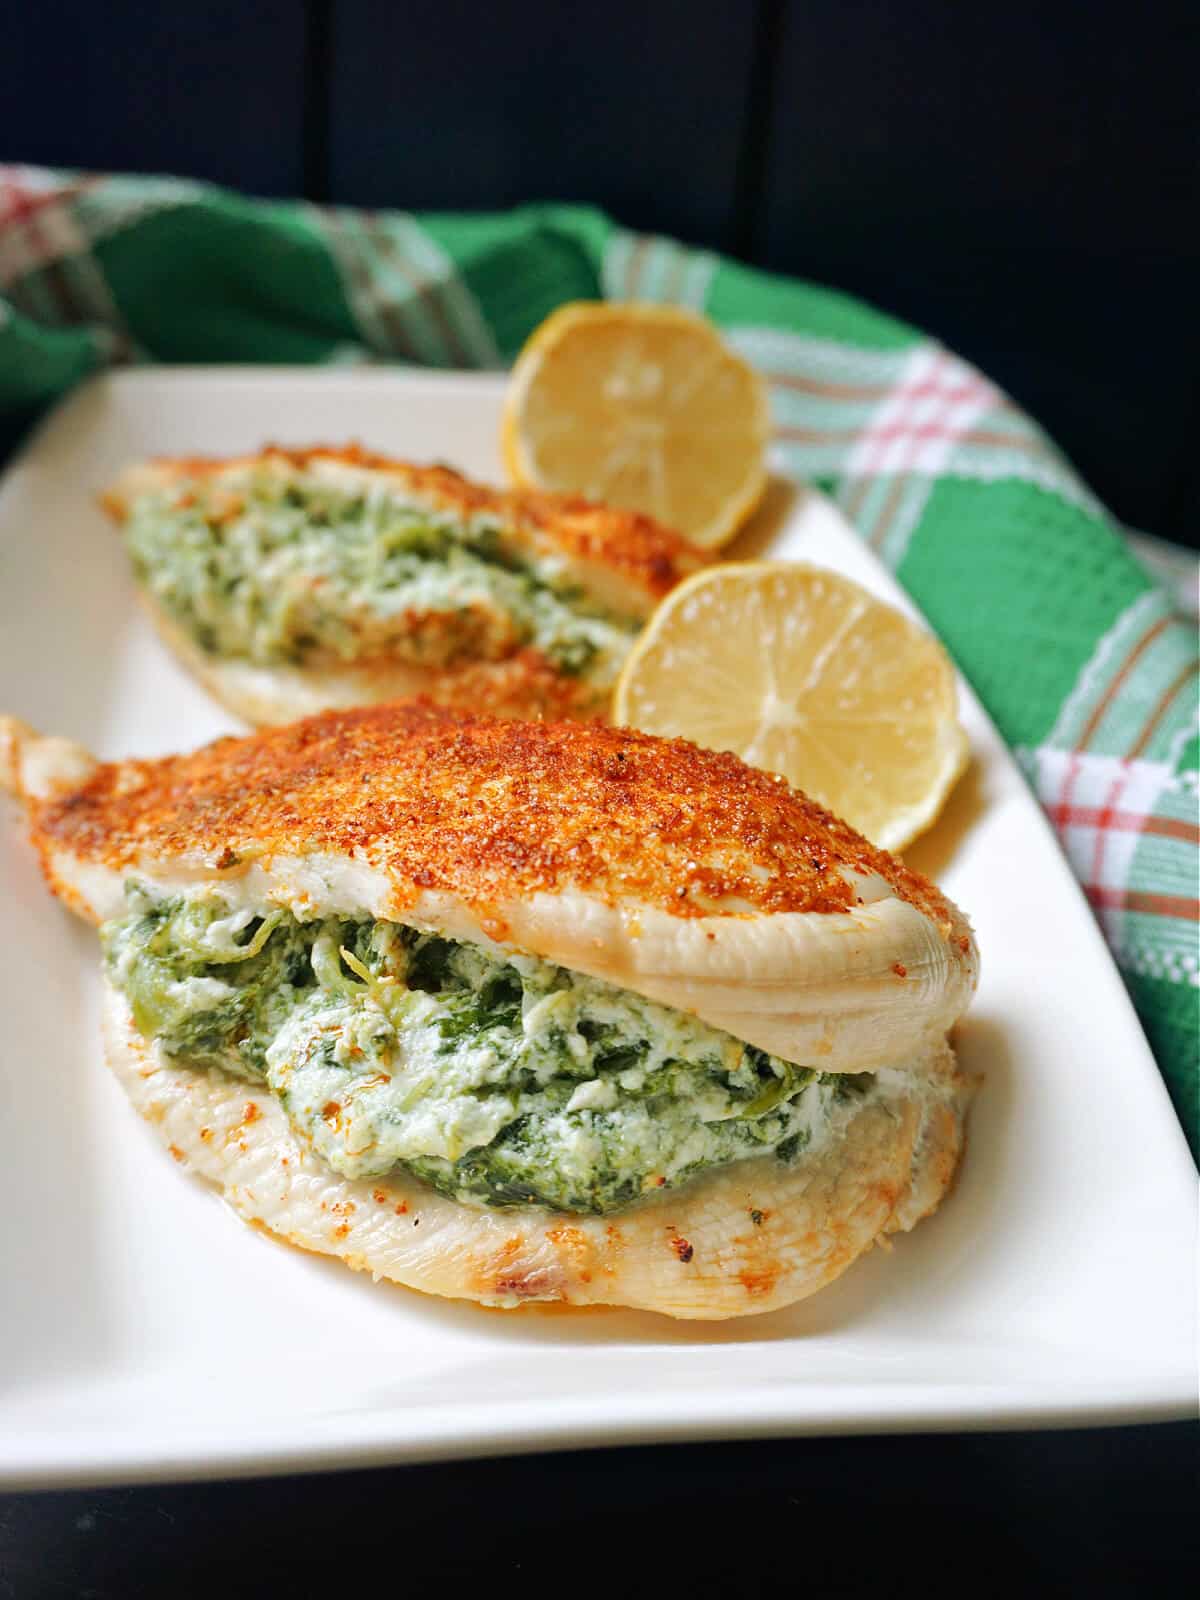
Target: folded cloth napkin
<point x="1077" y="651"/>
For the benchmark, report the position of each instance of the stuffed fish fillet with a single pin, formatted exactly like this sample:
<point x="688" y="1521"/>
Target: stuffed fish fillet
<point x="511" y="1012"/>
<point x="297" y="580"/>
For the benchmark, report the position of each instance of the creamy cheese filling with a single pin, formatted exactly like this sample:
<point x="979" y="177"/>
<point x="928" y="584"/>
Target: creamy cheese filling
<point x="267" y="565"/>
<point x="499" y="1078"/>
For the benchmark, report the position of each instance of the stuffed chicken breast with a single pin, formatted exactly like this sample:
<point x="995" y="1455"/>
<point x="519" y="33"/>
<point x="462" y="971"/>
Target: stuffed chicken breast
<point x="298" y="580"/>
<point x="512" y="1011"/>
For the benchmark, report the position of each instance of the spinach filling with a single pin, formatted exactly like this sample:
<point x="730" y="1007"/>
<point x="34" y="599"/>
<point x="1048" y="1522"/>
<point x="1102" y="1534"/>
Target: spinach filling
<point x="498" y="1078"/>
<point x="277" y="570"/>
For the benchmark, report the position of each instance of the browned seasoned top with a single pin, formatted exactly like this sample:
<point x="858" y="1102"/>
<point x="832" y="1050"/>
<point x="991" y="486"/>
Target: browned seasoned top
<point x="640" y="550"/>
<point x="487" y="810"/>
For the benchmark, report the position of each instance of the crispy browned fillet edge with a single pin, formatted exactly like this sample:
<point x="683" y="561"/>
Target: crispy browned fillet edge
<point x="489" y="811"/>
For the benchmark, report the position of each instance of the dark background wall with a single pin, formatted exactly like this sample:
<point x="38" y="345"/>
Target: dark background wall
<point x="1020" y="179"/>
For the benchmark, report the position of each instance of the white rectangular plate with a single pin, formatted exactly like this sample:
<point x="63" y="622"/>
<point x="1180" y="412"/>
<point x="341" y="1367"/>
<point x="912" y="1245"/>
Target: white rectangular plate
<point x="148" y="1333"/>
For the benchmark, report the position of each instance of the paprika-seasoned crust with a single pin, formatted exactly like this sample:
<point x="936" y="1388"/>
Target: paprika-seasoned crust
<point x="678" y="873"/>
<point x="490" y="811"/>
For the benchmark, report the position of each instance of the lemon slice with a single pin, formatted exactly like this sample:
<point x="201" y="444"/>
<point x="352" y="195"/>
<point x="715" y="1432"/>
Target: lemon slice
<point x="799" y="671"/>
<point x="639" y="406"/>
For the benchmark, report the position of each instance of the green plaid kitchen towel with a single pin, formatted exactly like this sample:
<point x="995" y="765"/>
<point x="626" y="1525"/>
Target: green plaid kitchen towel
<point x="1077" y="651"/>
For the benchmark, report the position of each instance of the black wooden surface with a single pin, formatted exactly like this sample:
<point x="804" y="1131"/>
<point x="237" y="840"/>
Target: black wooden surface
<point x="449" y="104"/>
<point x="1021" y="180"/>
<point x="202" y="88"/>
<point x="1082" y="1513"/>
